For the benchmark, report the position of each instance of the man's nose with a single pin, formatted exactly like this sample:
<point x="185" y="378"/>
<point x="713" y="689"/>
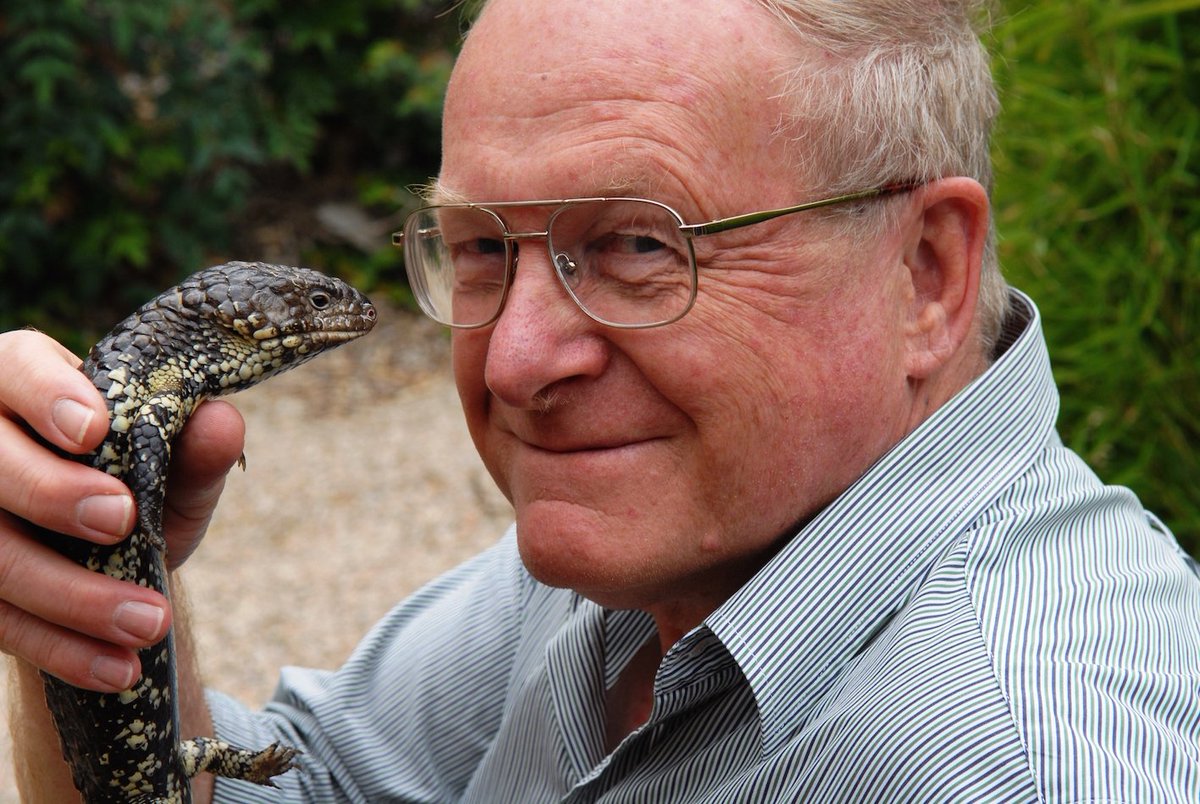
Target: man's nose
<point x="541" y="337"/>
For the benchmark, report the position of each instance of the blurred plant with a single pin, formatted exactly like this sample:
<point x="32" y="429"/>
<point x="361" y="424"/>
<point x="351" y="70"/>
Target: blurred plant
<point x="132" y="132"/>
<point x="380" y="69"/>
<point x="1099" y="213"/>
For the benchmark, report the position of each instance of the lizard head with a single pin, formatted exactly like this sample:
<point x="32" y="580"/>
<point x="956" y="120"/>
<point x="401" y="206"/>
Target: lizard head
<point x="259" y="319"/>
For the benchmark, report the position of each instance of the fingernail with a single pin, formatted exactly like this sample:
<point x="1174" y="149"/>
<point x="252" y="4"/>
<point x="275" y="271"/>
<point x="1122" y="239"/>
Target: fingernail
<point x="72" y="418"/>
<point x="116" y="673"/>
<point x="107" y="513"/>
<point x="139" y="620"/>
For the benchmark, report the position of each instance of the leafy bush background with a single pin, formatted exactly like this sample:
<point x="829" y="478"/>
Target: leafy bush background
<point x="142" y="139"/>
<point x="1098" y="205"/>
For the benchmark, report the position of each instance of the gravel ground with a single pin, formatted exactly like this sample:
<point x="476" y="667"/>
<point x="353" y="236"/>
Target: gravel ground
<point x="361" y="484"/>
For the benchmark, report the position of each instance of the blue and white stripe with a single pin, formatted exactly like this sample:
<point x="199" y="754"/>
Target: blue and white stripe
<point x="977" y="619"/>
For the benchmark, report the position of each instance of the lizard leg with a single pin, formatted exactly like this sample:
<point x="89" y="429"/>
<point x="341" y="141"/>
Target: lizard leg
<point x="223" y="759"/>
<point x="155" y="424"/>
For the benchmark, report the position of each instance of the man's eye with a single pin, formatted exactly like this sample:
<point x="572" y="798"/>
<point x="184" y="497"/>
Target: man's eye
<point x="641" y="244"/>
<point x="617" y="243"/>
<point x="482" y="245"/>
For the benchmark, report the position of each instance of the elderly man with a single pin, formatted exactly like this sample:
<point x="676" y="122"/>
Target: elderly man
<point x="792" y="519"/>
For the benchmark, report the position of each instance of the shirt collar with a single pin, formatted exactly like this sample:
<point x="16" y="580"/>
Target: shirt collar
<point x="794" y="627"/>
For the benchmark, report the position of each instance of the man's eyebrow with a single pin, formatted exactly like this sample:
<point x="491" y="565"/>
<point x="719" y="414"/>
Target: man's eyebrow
<point x="613" y="185"/>
<point x="618" y="181"/>
<point x="435" y="193"/>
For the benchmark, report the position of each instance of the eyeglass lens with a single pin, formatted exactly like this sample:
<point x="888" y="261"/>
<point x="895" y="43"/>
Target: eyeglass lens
<point x="623" y="261"/>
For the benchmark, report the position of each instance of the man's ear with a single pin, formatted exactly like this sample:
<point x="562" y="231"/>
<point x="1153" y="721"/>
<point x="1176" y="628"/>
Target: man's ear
<point x="944" y="255"/>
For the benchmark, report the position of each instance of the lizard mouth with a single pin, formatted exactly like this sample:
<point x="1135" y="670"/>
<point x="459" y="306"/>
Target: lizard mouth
<point x="337" y="336"/>
<point x="347" y="326"/>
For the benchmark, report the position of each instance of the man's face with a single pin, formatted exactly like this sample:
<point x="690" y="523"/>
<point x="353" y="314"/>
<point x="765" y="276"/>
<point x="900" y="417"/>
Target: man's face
<point x="659" y="468"/>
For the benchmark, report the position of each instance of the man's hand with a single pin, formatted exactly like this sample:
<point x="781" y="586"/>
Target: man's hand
<point x="73" y="623"/>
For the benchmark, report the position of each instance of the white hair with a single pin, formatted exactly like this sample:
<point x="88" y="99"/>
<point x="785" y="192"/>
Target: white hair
<point x="887" y="91"/>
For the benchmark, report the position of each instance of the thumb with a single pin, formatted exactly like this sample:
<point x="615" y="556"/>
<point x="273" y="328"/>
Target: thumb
<point x="207" y="448"/>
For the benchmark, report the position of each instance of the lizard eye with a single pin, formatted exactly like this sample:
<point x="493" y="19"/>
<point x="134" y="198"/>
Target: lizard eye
<point x="319" y="299"/>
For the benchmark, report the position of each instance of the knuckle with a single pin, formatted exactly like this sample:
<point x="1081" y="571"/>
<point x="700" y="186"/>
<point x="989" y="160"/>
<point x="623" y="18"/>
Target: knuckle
<point x="61" y="658"/>
<point x="18" y="341"/>
<point x="40" y="487"/>
<point x="35" y="372"/>
<point x="11" y="629"/>
<point x="88" y="604"/>
<point x="53" y="649"/>
<point x="47" y="588"/>
<point x="31" y="485"/>
<point x="24" y="636"/>
<point x="10" y="559"/>
<point x="38" y="493"/>
<point x="36" y="360"/>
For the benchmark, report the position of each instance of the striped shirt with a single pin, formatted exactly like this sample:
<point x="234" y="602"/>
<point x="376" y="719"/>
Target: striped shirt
<point x="978" y="618"/>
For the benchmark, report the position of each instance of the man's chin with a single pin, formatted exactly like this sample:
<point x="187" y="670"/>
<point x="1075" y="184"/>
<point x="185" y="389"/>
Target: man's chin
<point x="568" y="546"/>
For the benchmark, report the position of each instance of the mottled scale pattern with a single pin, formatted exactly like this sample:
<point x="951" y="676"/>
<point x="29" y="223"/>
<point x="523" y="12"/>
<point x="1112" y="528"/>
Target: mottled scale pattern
<point x="222" y="329"/>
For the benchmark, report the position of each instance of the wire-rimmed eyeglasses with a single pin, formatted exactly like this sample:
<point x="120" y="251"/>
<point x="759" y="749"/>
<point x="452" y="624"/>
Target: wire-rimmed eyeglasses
<point x="626" y="262"/>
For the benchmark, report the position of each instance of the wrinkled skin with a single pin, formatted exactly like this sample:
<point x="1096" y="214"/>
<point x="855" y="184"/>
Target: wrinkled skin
<point x="656" y="469"/>
<point x="660" y="468"/>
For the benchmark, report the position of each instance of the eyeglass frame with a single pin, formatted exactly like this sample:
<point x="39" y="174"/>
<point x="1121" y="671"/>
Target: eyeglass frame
<point x="689" y="231"/>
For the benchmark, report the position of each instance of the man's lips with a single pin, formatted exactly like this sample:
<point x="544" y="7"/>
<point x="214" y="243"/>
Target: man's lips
<point x="579" y="431"/>
<point x="573" y="446"/>
<point x="561" y="438"/>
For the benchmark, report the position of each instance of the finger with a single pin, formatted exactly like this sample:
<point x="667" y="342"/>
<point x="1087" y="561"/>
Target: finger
<point x="43" y="387"/>
<point x="37" y="579"/>
<point x="65" y="654"/>
<point x="79" y="625"/>
<point x="59" y="494"/>
<point x="40" y="385"/>
<point x="207" y="448"/>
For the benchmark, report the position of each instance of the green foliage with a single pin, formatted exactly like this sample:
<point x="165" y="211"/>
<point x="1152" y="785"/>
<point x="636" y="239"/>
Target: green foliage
<point x="133" y="133"/>
<point x="1098" y="207"/>
<point x="124" y="131"/>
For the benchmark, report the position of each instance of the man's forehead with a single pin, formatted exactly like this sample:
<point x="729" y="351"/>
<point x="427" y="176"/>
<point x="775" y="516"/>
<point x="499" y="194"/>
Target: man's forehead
<point x="619" y="98"/>
<point x="617" y="45"/>
<point x="612" y="180"/>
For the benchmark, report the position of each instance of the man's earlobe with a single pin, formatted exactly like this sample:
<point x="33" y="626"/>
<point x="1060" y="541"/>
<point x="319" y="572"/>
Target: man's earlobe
<point x="944" y="258"/>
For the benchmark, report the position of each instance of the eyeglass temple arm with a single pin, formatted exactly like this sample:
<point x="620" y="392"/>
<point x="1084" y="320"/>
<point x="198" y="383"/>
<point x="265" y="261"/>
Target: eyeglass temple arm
<point x="737" y="221"/>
